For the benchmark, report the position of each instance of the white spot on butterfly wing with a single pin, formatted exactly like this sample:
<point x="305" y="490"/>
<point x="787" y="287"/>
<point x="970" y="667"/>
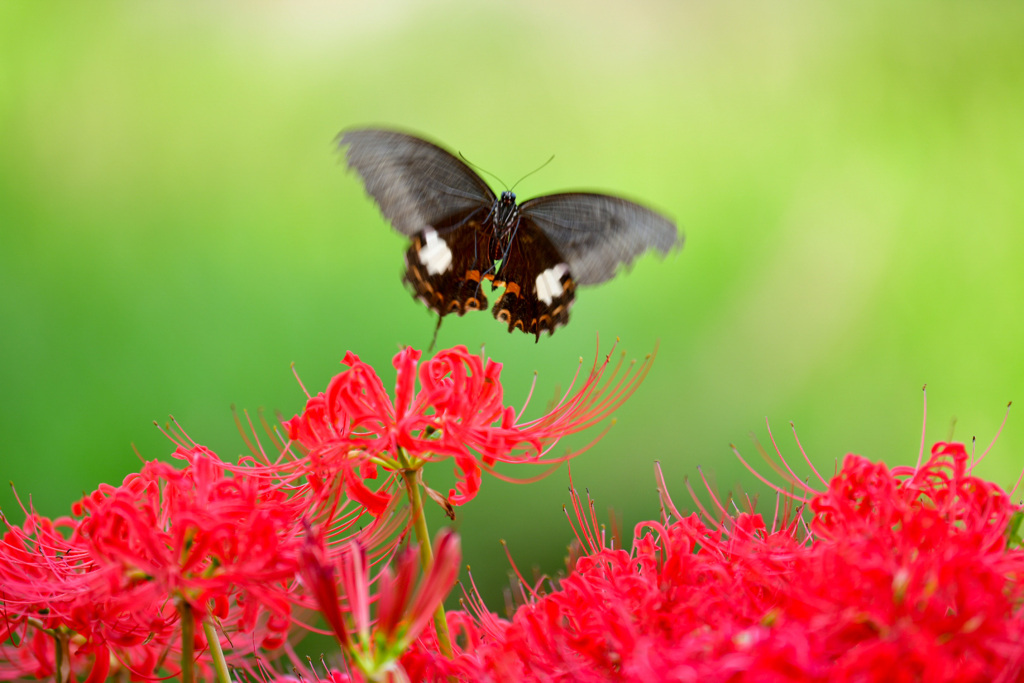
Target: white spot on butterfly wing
<point x="435" y="254"/>
<point x="549" y="283"/>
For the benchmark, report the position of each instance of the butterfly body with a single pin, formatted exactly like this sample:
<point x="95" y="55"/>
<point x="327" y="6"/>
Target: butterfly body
<point x="461" y="233"/>
<point x="506" y="218"/>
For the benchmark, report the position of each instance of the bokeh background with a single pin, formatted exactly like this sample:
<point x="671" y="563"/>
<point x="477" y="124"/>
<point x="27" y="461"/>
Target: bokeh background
<point x="176" y="228"/>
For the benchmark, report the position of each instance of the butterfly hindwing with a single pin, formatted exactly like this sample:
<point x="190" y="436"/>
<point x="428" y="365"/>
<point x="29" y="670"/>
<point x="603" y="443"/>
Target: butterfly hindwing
<point x="596" y="233"/>
<point x="539" y="285"/>
<point x="446" y="270"/>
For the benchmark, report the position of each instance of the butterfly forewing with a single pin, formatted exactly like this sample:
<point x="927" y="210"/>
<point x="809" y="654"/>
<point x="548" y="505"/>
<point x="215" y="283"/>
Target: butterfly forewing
<point x="416" y="183"/>
<point x="596" y="233"/>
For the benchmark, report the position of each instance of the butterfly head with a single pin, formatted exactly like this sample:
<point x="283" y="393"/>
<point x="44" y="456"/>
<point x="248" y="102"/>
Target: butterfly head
<point x="505" y="210"/>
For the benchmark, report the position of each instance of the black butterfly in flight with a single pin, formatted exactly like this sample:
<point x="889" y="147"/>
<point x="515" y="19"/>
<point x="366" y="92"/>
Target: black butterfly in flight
<point x="538" y="251"/>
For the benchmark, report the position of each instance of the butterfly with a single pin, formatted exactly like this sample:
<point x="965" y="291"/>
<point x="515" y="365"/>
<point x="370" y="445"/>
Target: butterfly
<point x="461" y="233"/>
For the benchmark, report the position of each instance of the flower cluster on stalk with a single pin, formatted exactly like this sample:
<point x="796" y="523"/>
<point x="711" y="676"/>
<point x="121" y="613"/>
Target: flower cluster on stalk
<point x="185" y="571"/>
<point x="137" y="566"/>
<point x="355" y="427"/>
<point x="903" y="574"/>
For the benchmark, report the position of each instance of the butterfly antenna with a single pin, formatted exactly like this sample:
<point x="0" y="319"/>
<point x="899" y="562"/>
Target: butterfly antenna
<point x="482" y="170"/>
<point x="532" y="172"/>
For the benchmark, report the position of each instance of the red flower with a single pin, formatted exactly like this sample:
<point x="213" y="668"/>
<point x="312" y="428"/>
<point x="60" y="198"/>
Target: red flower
<point x="56" y="595"/>
<point x="458" y="412"/>
<point x="403" y="607"/>
<point x="901" y="574"/>
<point x="225" y="545"/>
<point x="200" y="536"/>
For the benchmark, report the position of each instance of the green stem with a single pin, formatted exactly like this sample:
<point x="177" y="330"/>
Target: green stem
<point x="419" y="522"/>
<point x="217" y="652"/>
<point x="62" y="643"/>
<point x="188" y="627"/>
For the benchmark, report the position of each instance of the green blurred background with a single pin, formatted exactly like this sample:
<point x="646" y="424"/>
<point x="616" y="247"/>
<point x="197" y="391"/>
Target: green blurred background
<point x="176" y="229"/>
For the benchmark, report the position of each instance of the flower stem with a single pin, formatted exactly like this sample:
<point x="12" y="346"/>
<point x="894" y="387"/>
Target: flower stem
<point x="188" y="627"/>
<point x="63" y="656"/>
<point x="217" y="652"/>
<point x="419" y="521"/>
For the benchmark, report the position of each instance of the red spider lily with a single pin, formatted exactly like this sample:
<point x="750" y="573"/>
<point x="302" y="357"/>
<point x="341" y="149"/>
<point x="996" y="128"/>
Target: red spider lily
<point x="197" y="536"/>
<point x="227" y="546"/>
<point x="900" y="575"/>
<point x="59" y="604"/>
<point x="37" y="565"/>
<point x="403" y="607"/>
<point x="458" y="412"/>
<point x="42" y="586"/>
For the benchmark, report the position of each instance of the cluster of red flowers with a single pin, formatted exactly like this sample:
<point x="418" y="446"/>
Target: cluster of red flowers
<point x="355" y="427"/>
<point x="902" y="574"/>
<point x="216" y="562"/>
<point x="110" y="582"/>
